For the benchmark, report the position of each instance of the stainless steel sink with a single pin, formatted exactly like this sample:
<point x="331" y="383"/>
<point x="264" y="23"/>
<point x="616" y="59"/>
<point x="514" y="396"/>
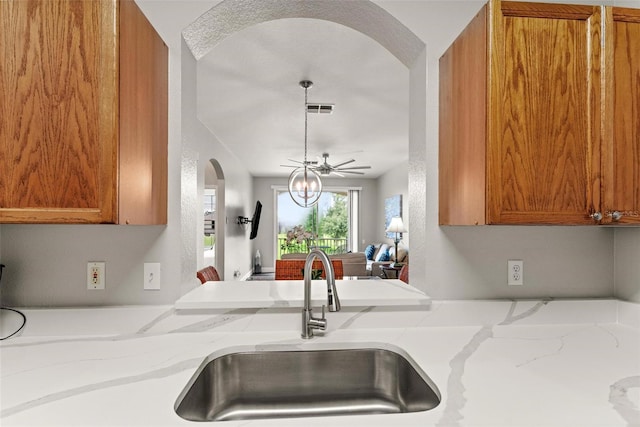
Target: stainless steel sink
<point x="278" y="383"/>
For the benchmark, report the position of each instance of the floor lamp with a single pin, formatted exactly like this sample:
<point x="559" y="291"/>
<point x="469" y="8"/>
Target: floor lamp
<point x="396" y="226"/>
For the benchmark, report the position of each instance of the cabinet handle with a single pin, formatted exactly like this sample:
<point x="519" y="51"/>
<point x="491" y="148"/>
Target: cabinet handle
<point x="615" y="215"/>
<point x="597" y="216"/>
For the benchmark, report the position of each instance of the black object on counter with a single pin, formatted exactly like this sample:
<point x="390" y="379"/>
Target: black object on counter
<point x="24" y="318"/>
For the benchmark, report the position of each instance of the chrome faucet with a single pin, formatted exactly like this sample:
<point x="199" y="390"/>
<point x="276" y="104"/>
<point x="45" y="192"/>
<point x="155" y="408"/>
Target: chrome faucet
<point x="309" y="323"/>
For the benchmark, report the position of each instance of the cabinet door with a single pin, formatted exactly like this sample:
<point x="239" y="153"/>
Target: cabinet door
<point x="544" y="114"/>
<point x="621" y="136"/>
<point x="58" y="111"/>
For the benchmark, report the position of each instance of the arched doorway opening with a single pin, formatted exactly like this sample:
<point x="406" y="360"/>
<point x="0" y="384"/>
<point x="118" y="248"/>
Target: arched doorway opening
<point x="226" y="18"/>
<point x="213" y="199"/>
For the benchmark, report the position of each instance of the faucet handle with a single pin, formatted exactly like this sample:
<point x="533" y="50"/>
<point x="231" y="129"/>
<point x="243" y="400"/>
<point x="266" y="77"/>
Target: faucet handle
<point x="309" y="323"/>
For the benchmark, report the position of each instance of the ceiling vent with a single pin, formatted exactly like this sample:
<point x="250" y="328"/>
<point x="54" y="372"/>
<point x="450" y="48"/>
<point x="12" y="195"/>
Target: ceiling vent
<point x="320" y="108"/>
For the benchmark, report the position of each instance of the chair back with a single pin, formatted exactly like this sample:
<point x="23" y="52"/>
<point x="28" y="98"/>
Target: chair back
<point x="292" y="269"/>
<point x="404" y="273"/>
<point x="208" y="274"/>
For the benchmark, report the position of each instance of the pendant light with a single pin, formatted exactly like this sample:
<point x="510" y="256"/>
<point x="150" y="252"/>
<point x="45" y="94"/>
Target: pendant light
<point x="305" y="186"/>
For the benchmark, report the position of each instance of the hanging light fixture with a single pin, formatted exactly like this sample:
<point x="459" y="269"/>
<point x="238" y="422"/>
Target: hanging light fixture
<point x="305" y="187"/>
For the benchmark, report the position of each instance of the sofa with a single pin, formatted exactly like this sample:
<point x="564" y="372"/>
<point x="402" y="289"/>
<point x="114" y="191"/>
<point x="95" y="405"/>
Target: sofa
<point x="380" y="254"/>
<point x="353" y="263"/>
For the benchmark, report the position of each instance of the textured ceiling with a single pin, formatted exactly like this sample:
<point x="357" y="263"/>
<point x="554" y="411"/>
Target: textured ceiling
<point x="249" y="96"/>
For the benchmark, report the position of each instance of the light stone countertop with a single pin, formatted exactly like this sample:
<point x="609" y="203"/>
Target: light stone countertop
<point x="289" y="293"/>
<point x="496" y="363"/>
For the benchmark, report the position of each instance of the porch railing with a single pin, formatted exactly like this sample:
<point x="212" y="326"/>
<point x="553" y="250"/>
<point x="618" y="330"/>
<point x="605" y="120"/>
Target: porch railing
<point x="328" y="244"/>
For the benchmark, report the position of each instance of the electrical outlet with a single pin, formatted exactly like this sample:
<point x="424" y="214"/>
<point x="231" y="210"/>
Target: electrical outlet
<point x="515" y="272"/>
<point x="95" y="275"/>
<point x="152" y="275"/>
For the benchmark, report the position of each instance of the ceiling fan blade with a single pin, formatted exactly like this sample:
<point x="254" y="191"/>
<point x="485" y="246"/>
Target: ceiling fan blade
<point x="290" y="166"/>
<point x="355" y="167"/>
<point x="343" y="163"/>
<point x="302" y="163"/>
<point x="351" y="172"/>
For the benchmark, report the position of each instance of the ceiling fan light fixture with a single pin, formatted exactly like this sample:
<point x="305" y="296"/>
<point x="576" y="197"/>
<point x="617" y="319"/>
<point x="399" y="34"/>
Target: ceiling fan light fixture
<point x="339" y="169"/>
<point x="305" y="186"/>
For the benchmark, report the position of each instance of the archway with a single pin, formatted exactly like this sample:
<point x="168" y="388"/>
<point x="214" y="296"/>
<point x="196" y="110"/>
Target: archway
<point x="214" y="214"/>
<point x="231" y="16"/>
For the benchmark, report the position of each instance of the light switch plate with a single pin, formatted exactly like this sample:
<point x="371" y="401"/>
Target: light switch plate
<point x="151" y="275"/>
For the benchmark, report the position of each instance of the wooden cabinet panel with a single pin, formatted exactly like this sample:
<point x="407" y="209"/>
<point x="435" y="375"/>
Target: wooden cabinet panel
<point x="143" y="120"/>
<point x="83" y="113"/>
<point x="621" y="137"/>
<point x="57" y="117"/>
<point x="463" y="94"/>
<point x="562" y="117"/>
<point x="544" y="73"/>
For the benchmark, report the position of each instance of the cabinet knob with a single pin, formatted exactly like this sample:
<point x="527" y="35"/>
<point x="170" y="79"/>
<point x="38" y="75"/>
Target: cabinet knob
<point x="597" y="216"/>
<point x="615" y="215"/>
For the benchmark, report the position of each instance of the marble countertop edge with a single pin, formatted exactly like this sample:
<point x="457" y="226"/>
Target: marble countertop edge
<point x="77" y="321"/>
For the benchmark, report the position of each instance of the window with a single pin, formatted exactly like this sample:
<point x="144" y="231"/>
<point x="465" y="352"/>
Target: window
<point x="330" y="225"/>
<point x="209" y="204"/>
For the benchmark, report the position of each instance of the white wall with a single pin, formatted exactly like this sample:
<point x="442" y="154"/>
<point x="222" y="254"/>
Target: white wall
<point x="237" y="199"/>
<point x="627" y="264"/>
<point x="627" y="241"/>
<point x="0" y="261"/>
<point x="199" y="146"/>
<point x="395" y="181"/>
<point x="47" y="263"/>
<point x="470" y="262"/>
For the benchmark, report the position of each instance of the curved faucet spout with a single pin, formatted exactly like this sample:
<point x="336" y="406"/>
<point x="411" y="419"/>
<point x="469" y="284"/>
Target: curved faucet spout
<point x="309" y="323"/>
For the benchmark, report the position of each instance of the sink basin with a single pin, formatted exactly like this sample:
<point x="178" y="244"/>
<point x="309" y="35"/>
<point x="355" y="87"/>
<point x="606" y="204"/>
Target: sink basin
<point x="276" y="383"/>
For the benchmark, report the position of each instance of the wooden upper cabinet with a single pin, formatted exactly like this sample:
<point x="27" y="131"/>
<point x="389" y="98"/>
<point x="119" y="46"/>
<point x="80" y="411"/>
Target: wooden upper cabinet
<point x="543" y="114"/>
<point x="83" y="113"/>
<point x="521" y="133"/>
<point x="621" y="129"/>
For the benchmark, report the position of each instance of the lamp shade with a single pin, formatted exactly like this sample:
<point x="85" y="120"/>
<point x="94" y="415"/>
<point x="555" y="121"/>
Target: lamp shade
<point x="396" y="225"/>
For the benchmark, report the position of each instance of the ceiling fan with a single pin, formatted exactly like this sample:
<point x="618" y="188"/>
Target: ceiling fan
<point x="325" y="168"/>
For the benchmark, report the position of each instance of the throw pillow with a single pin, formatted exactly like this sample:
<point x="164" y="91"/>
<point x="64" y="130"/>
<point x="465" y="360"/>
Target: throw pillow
<point x="384" y="248"/>
<point x="385" y="256"/>
<point x="369" y="251"/>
